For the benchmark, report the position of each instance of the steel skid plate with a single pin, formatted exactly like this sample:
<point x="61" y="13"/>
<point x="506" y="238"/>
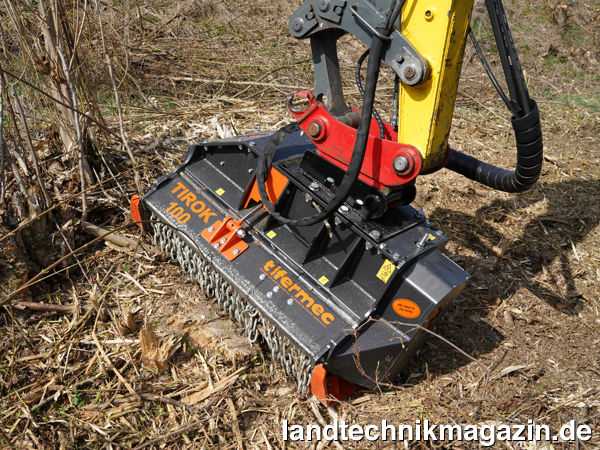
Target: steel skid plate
<point x="351" y="294"/>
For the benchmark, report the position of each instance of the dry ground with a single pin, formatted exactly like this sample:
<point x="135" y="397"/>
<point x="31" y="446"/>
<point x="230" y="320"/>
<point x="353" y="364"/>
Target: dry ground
<point x="529" y="317"/>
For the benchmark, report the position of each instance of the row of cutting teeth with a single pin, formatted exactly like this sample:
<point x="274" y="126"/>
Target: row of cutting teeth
<point x="295" y="363"/>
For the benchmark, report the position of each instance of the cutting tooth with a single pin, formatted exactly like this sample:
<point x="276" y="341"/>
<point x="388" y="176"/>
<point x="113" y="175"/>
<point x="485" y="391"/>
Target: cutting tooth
<point x="295" y="362"/>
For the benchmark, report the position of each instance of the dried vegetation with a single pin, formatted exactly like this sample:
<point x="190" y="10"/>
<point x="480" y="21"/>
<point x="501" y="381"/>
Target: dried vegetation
<point x="106" y="344"/>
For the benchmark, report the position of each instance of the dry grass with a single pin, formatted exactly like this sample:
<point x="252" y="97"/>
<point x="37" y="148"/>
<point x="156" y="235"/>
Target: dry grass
<point x="73" y="373"/>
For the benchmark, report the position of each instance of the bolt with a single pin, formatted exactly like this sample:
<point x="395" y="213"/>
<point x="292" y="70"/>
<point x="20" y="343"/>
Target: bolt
<point x="211" y="229"/>
<point x="252" y="143"/>
<point x="368" y="246"/>
<point x="401" y="164"/>
<point x="222" y="163"/>
<point x="236" y="251"/>
<point x="310" y="15"/>
<point x="315" y="129"/>
<point x="375" y="234"/>
<point x="223" y="240"/>
<point x="343" y="209"/>
<point x="383" y="246"/>
<point x="410" y="72"/>
<point x="338" y="10"/>
<point x="297" y="24"/>
<point x="400" y="58"/>
<point x="359" y="202"/>
<point x="396" y="257"/>
<point x="276" y="289"/>
<point x="314" y="186"/>
<point x="330" y="180"/>
<point x="290" y="301"/>
<point x="250" y="170"/>
<point x="337" y="221"/>
<point x="324" y="5"/>
<point x="262" y="276"/>
<point x="269" y="294"/>
<point x="307" y="197"/>
<point x="423" y="241"/>
<point x="216" y="245"/>
<point x="439" y="232"/>
<point x="241" y="233"/>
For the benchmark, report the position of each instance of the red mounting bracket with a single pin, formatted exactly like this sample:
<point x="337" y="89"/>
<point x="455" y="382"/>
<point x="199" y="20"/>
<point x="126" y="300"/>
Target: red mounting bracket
<point x="227" y="236"/>
<point x="335" y="142"/>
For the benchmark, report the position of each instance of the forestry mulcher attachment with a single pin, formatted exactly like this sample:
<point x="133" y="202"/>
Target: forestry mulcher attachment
<point x="306" y="236"/>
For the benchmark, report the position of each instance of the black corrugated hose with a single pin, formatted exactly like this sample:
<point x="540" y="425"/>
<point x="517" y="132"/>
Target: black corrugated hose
<point x="525" y="121"/>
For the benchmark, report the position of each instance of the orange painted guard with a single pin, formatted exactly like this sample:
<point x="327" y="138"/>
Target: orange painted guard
<point x="328" y="388"/>
<point x="135" y="210"/>
<point x="275" y="185"/>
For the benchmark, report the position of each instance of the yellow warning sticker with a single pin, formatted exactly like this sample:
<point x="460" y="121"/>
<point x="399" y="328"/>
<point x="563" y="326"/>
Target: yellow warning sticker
<point x="220" y="191"/>
<point x="271" y="234"/>
<point x="323" y="280"/>
<point x="431" y="237"/>
<point x="386" y="271"/>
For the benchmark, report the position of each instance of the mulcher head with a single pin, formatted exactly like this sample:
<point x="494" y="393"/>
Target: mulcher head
<point x="342" y="303"/>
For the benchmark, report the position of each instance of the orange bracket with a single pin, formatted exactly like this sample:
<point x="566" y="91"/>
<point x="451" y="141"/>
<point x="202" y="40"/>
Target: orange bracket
<point x="135" y="209"/>
<point x="328" y="388"/>
<point x="227" y="236"/>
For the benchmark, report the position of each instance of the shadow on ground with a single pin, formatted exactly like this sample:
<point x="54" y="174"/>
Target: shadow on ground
<point x="538" y="259"/>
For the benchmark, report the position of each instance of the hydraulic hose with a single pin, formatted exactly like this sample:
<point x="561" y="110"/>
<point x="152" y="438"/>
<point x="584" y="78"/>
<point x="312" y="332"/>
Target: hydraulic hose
<point x="525" y="120"/>
<point x="360" y="145"/>
<point x="530" y="155"/>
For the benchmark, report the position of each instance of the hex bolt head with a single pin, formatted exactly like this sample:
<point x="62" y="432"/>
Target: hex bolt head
<point x="314" y="186"/>
<point x="383" y="246"/>
<point x="330" y="180"/>
<point x="222" y="163"/>
<point x="343" y="209"/>
<point x="290" y="301"/>
<point x="401" y="164"/>
<point x="250" y="170"/>
<point x="396" y="257"/>
<point x="368" y="246"/>
<point x="338" y="10"/>
<point x="217" y="245"/>
<point x="276" y="289"/>
<point x="324" y="5"/>
<point x="359" y="203"/>
<point x="262" y="276"/>
<point x="337" y="221"/>
<point x="307" y="198"/>
<point x="241" y="233"/>
<point x="223" y="240"/>
<point x="315" y="129"/>
<point x="375" y="234"/>
<point x="211" y="229"/>
<point x="236" y="251"/>
<point x="269" y="294"/>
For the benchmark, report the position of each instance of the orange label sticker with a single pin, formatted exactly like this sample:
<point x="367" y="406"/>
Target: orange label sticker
<point x="406" y="308"/>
